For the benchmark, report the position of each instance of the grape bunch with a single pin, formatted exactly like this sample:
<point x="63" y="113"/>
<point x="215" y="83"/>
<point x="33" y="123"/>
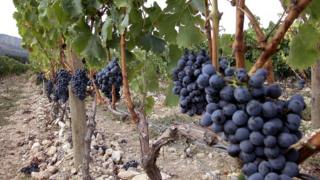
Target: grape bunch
<point x="192" y="95"/>
<point x="61" y="87"/>
<point x="110" y="75"/>
<point x="79" y="83"/>
<point x="249" y="114"/>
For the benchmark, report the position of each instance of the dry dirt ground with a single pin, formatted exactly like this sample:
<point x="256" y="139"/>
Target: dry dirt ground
<point x="29" y="134"/>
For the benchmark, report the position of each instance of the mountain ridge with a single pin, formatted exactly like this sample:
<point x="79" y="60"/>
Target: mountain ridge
<point x="11" y="46"/>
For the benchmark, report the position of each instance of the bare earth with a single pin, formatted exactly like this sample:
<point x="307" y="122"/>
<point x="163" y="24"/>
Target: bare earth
<point x="27" y="134"/>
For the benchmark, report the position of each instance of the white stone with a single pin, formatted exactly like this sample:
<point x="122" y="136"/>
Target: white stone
<point x="123" y="174"/>
<point x="116" y="156"/>
<point x="108" y="152"/>
<point x="74" y="171"/>
<point x="140" y="177"/>
<point x="40" y="175"/>
<point x="52" y="150"/>
<point x="45" y="142"/>
<point x="66" y="147"/>
<point x="61" y="124"/>
<point x="35" y="145"/>
<point x="200" y="155"/>
<point x="52" y="170"/>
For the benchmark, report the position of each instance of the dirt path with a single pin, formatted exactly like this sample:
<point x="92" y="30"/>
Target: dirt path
<point x="17" y="128"/>
<point x="25" y="134"/>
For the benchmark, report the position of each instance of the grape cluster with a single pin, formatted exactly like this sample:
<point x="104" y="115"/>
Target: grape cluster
<point x="79" y="83"/>
<point x="131" y="163"/>
<point x="249" y="114"/>
<point x="110" y="75"/>
<point x="185" y="76"/>
<point x="61" y="87"/>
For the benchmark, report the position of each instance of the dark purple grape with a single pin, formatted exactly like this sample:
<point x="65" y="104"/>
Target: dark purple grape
<point x="240" y="118"/>
<point x="254" y="108"/>
<point x="242" y="95"/>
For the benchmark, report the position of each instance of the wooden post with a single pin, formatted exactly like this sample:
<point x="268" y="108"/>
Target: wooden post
<point x="78" y="117"/>
<point x="315" y="94"/>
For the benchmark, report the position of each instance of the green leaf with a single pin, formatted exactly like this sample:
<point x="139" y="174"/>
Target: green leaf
<point x="171" y="99"/>
<point x="153" y="43"/>
<point x="89" y="45"/>
<point x="149" y="103"/>
<point x="124" y="23"/>
<point x="314" y="10"/>
<point x="72" y="7"/>
<point x="121" y="3"/>
<point x="166" y="25"/>
<point x="57" y="13"/>
<point x="199" y="5"/>
<point x="304" y="51"/>
<point x="106" y="31"/>
<point x="151" y="77"/>
<point x="154" y="12"/>
<point x="189" y="36"/>
<point x="174" y="55"/>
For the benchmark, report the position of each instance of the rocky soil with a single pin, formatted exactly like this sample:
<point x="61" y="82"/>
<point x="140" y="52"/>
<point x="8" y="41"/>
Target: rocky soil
<point x="36" y="144"/>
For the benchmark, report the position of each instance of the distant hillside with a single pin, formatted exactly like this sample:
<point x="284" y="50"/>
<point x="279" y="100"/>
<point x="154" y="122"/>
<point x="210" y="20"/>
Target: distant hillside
<point x="11" y="46"/>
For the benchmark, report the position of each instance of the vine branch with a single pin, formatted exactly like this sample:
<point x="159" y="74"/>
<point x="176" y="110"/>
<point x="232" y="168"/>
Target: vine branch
<point x="261" y="39"/>
<point x="271" y="47"/>
<point x="208" y="27"/>
<point x="125" y="81"/>
<point x="239" y="38"/>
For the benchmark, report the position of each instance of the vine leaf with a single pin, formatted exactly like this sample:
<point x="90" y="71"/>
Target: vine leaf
<point x="152" y="43"/>
<point x="189" y="36"/>
<point x="88" y="45"/>
<point x="199" y="5"/>
<point x="174" y="55"/>
<point x="314" y="9"/>
<point x="148" y="107"/>
<point x="106" y="31"/>
<point x="304" y="50"/>
<point x="121" y="3"/>
<point x="171" y="99"/>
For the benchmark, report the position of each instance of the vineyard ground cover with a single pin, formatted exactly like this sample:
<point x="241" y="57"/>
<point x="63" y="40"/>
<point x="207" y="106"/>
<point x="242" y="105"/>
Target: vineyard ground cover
<point x="180" y="160"/>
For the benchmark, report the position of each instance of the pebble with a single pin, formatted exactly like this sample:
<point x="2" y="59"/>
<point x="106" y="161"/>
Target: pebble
<point x="108" y="152"/>
<point x="123" y="174"/>
<point x="40" y="175"/>
<point x="140" y="177"/>
<point x="116" y="156"/>
<point x="45" y="142"/>
<point x="52" y="150"/>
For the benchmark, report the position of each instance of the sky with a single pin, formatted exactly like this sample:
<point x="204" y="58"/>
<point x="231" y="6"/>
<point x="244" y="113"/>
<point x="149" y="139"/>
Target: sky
<point x="267" y="10"/>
